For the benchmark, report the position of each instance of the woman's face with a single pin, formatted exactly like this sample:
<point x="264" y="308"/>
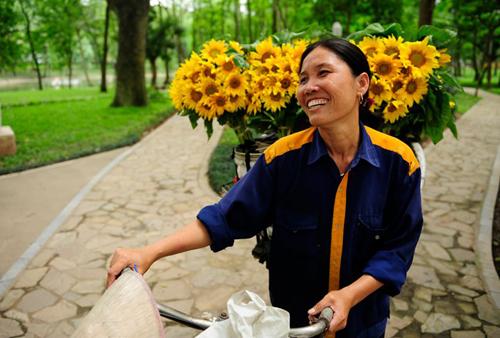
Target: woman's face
<point x="328" y="91"/>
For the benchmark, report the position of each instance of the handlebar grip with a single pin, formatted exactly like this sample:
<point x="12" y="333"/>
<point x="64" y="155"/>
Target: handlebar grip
<point x="327" y="314"/>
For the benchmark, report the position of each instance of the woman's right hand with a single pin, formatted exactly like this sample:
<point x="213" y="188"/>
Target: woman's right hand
<point x="140" y="258"/>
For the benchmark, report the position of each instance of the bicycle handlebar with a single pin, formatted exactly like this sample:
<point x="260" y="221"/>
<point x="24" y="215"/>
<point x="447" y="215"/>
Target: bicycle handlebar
<point x="201" y="324"/>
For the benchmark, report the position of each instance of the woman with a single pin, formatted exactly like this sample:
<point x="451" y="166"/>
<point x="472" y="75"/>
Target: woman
<point x="344" y="201"/>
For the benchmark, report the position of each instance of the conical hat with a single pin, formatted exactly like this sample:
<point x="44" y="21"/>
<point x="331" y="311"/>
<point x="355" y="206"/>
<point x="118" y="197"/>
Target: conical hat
<point x="126" y="309"/>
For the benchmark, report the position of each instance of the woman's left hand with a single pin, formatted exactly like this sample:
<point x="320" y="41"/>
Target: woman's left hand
<point x="340" y="302"/>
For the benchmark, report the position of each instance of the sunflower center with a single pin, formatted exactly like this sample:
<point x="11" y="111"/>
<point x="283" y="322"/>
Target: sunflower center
<point x="195" y="76"/>
<point x="208" y="73"/>
<point x="196" y="95"/>
<point x="285" y="83"/>
<point x="274" y="69"/>
<point x="266" y="56"/>
<point x="411" y="87"/>
<point x="213" y="52"/>
<point x="276" y="97"/>
<point x="228" y="66"/>
<point x="233" y="98"/>
<point x="211" y="89"/>
<point x="377" y="89"/>
<point x="391" y="50"/>
<point x="397" y="85"/>
<point x="417" y="59"/>
<point x="370" y="51"/>
<point x="391" y="108"/>
<point x="384" y="68"/>
<point x="220" y="101"/>
<point x="235" y="83"/>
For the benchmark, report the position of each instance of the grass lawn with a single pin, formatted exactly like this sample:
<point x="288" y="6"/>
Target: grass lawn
<point x="57" y="131"/>
<point x="30" y="97"/>
<point x="221" y="167"/>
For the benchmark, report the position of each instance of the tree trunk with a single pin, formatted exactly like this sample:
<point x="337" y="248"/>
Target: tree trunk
<point x="167" y="72"/>
<point x="130" y="74"/>
<point x="70" y="67"/>
<point x="425" y="13"/>
<point x="84" y="62"/>
<point x="152" y="61"/>
<point x="237" y="34"/>
<point x="104" y="59"/>
<point x="276" y="18"/>
<point x="249" y="17"/>
<point x="32" y="45"/>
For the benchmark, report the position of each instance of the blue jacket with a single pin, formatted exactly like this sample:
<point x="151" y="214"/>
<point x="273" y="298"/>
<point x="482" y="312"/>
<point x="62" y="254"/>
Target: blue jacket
<point x="328" y="228"/>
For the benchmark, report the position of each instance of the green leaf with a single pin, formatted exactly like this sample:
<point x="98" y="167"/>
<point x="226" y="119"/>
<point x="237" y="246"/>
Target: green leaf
<point x="439" y="37"/>
<point x="209" y="127"/>
<point x="376" y="29"/>
<point x="450" y="80"/>
<point x="193" y="118"/>
<point x="240" y="61"/>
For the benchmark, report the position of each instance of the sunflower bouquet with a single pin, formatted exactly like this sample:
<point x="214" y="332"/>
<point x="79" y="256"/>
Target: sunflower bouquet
<point x="411" y="95"/>
<point x="250" y="88"/>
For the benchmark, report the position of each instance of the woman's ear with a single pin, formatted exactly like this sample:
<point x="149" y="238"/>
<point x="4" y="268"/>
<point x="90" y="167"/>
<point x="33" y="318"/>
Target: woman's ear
<point x="363" y="82"/>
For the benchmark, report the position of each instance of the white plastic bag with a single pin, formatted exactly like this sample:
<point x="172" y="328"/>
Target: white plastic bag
<point x="250" y="317"/>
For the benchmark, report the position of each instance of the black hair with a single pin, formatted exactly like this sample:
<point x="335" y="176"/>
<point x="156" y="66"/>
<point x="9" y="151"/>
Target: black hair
<point x="350" y="54"/>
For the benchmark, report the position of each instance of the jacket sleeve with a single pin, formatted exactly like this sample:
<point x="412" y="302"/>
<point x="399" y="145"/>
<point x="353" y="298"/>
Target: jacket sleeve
<point x="243" y="211"/>
<point x="392" y="261"/>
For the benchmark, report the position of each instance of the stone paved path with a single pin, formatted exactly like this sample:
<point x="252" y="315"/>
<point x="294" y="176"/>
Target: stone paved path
<point x="161" y="186"/>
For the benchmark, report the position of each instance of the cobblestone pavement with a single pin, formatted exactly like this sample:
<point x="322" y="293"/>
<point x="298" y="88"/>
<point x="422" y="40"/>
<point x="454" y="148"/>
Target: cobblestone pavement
<point x="162" y="185"/>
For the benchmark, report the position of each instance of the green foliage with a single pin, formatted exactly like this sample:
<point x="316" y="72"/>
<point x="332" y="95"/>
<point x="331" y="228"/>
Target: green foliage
<point x="53" y="132"/>
<point x="221" y="169"/>
<point x="10" y="36"/>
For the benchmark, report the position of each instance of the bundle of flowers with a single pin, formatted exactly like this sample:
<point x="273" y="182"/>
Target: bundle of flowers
<point x="241" y="87"/>
<point x="411" y="92"/>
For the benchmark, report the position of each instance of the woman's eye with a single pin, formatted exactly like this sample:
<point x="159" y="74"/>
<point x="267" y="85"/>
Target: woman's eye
<point x="323" y="72"/>
<point x="302" y="80"/>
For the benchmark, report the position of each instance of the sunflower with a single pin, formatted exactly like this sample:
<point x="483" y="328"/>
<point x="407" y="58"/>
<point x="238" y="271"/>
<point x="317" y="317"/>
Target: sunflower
<point x="421" y="56"/>
<point x="226" y="64"/>
<point x="299" y="46"/>
<point x="237" y="47"/>
<point x="379" y="91"/>
<point x="370" y="45"/>
<point x="212" y="49"/>
<point x="209" y="87"/>
<point x="217" y="104"/>
<point x="265" y="50"/>
<point x="235" y="102"/>
<point x="414" y="90"/>
<point x="288" y="83"/>
<point x="397" y="84"/>
<point x="392" y="45"/>
<point x="274" y="101"/>
<point x="394" y="111"/>
<point x="254" y="104"/>
<point x="384" y="66"/>
<point x="443" y="57"/>
<point x="204" y="111"/>
<point x="176" y="94"/>
<point x="235" y="84"/>
<point x="193" y="97"/>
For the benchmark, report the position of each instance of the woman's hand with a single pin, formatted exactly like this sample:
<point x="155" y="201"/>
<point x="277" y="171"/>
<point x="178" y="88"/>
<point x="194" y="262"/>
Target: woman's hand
<point x="140" y="259"/>
<point x="340" y="302"/>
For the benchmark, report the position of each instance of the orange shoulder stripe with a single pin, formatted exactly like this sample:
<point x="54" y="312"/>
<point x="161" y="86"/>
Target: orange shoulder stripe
<point x="288" y="143"/>
<point x="395" y="145"/>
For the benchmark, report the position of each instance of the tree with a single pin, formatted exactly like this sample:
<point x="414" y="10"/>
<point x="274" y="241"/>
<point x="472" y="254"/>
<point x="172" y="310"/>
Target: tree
<point x="425" y="12"/>
<point x="130" y="75"/>
<point x="104" y="60"/>
<point x="31" y="42"/>
<point x="60" y="19"/>
<point x="10" y="37"/>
